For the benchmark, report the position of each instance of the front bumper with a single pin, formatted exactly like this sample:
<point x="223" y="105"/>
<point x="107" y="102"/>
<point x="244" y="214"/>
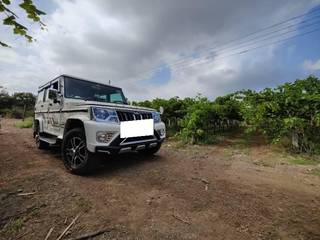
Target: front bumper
<point x="128" y="147"/>
<point x="119" y="145"/>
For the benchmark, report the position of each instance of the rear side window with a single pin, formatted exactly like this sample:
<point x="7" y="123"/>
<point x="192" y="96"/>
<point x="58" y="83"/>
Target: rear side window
<point x="55" y="85"/>
<point x="45" y="95"/>
<point x="40" y="97"/>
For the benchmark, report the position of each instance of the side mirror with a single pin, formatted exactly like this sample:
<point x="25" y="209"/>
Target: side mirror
<point x="161" y="110"/>
<point x="54" y="96"/>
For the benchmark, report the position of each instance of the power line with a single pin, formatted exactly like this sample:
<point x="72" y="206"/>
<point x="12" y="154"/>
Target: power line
<point x="257" y="47"/>
<point x="256" y="37"/>
<point x="240" y="46"/>
<point x="250" y="43"/>
<point x="182" y="60"/>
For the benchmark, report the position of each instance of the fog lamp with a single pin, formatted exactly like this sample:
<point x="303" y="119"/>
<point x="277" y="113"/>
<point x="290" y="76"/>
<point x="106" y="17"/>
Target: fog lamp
<point x="162" y="132"/>
<point x="104" y="137"/>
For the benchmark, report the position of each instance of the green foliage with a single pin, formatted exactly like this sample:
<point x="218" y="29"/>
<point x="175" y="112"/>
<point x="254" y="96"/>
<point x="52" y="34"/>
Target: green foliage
<point x="304" y="161"/>
<point x="27" y="123"/>
<point x="194" y="123"/>
<point x="204" y="119"/>
<point x="290" y="110"/>
<point x="198" y="120"/>
<point x="11" y="18"/>
<point x="17" y="104"/>
<point x="14" y="226"/>
<point x="175" y="110"/>
<point x="315" y="171"/>
<point x="23" y="98"/>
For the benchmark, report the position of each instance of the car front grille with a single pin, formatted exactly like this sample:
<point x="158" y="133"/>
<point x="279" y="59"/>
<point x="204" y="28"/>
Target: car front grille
<point x="133" y="115"/>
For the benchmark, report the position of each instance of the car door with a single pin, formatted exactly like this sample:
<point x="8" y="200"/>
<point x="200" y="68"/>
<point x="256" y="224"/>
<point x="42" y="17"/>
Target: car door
<point x="44" y="108"/>
<point x="54" y="111"/>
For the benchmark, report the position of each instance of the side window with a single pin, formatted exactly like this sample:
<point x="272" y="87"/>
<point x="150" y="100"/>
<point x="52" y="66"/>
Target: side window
<point x="55" y="85"/>
<point x="45" y="95"/>
<point x="40" y="97"/>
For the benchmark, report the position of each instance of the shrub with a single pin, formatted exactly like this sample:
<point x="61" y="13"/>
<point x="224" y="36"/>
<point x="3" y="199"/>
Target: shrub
<point x="17" y="113"/>
<point x="291" y="110"/>
<point x="27" y="123"/>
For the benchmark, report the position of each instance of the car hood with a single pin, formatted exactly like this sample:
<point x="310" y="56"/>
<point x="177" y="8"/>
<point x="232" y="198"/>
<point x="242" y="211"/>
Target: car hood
<point x="112" y="105"/>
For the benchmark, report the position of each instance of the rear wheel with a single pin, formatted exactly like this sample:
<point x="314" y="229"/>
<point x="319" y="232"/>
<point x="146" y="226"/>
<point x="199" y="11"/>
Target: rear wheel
<point x="39" y="143"/>
<point x="76" y="157"/>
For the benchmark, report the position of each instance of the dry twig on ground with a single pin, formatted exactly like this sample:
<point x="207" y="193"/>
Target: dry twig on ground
<point x="67" y="228"/>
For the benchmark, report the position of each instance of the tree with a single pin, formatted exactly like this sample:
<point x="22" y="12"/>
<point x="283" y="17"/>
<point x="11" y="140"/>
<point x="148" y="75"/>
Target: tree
<point x="24" y="99"/>
<point x="5" y="99"/>
<point x="10" y="18"/>
<point x="291" y="110"/>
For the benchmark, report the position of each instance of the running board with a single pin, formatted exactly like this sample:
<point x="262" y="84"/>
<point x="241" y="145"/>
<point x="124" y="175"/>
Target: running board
<point x="51" y="141"/>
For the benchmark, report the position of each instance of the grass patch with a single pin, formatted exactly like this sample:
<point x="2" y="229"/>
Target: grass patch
<point x="14" y="226"/>
<point x="35" y="212"/>
<point x="304" y="161"/>
<point x="239" y="146"/>
<point x="315" y="171"/>
<point x="27" y="123"/>
<point x="83" y="204"/>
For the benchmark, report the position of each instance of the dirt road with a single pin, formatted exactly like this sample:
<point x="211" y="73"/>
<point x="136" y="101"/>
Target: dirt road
<point x="200" y="193"/>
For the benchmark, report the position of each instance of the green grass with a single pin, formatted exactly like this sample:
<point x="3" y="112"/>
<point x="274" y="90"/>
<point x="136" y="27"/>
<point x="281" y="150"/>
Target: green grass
<point x="35" y="212"/>
<point x="304" y="161"/>
<point x="14" y="226"/>
<point x="27" y="123"/>
<point x="316" y="172"/>
<point x="83" y="204"/>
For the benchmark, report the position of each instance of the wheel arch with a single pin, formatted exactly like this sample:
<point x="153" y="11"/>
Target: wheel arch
<point x="72" y="123"/>
<point x="37" y="125"/>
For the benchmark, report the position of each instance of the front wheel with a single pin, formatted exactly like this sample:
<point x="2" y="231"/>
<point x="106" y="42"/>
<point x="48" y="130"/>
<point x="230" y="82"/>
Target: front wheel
<point x="76" y="157"/>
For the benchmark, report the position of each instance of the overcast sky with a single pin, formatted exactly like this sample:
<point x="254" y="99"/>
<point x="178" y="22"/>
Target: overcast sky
<point x="162" y="48"/>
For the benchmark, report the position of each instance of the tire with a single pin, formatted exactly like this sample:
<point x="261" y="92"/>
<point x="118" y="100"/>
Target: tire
<point x="151" y="151"/>
<point x="76" y="157"/>
<point x="39" y="143"/>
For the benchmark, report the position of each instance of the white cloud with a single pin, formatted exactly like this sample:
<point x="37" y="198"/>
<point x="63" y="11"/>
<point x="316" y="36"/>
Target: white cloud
<point x="310" y="65"/>
<point x="122" y="41"/>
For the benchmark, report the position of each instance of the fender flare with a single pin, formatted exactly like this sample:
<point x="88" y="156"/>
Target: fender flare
<point x="75" y="120"/>
<point x="40" y="124"/>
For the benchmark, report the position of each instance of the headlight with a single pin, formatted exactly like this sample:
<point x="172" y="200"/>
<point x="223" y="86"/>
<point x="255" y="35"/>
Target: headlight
<point x="156" y="117"/>
<point x="104" y="115"/>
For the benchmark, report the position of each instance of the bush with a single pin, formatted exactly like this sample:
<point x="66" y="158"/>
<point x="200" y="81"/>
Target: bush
<point x="5" y="112"/>
<point x="17" y="113"/>
<point x="27" y="123"/>
<point x="291" y="110"/>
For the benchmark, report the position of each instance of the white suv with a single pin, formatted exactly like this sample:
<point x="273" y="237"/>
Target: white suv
<point x="87" y="117"/>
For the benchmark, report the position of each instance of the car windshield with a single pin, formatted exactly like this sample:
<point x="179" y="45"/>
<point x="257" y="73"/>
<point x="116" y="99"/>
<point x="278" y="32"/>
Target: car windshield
<point x="90" y="91"/>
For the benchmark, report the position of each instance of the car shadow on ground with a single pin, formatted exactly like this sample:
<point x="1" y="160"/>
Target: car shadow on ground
<point x="109" y="164"/>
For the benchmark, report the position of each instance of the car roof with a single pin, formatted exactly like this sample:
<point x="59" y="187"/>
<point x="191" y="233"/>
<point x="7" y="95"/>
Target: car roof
<point x="66" y="75"/>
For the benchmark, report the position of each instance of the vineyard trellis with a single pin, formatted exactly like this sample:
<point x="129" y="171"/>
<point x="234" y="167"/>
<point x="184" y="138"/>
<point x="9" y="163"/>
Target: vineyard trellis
<point x="291" y="110"/>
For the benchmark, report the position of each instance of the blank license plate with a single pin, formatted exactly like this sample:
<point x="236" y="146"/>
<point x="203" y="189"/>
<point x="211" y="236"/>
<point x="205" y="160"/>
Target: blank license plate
<point x="136" y="128"/>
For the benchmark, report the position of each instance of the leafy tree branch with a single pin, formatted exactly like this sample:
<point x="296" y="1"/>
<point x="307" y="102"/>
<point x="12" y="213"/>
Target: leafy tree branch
<point x="11" y="18"/>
